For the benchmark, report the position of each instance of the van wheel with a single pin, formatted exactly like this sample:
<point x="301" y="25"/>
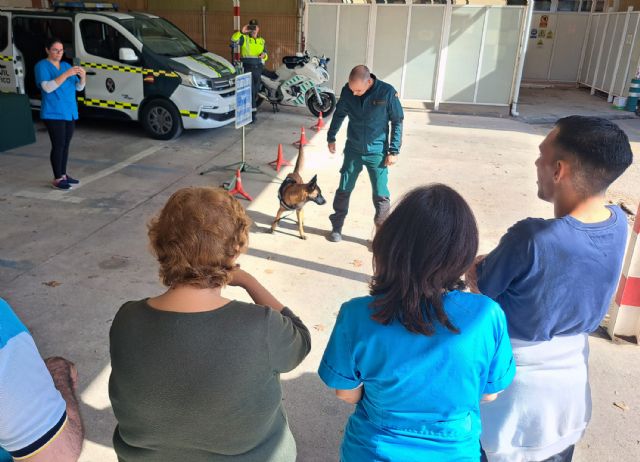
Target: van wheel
<point x="161" y="120"/>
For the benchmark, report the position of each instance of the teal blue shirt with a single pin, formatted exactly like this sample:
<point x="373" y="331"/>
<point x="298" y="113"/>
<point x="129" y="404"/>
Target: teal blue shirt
<point x="422" y="394"/>
<point x="60" y="104"/>
<point x="375" y="120"/>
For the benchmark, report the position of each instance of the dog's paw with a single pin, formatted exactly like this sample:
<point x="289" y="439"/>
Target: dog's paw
<point x="303" y="237"/>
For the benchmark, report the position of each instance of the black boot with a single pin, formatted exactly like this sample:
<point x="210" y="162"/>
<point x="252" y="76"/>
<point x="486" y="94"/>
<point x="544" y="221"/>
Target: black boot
<point x="340" y="207"/>
<point x="382" y="205"/>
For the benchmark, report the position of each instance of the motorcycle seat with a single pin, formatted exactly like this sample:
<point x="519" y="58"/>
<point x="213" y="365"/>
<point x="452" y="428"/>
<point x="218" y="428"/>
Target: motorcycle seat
<point x="270" y="74"/>
<point x="294" y="61"/>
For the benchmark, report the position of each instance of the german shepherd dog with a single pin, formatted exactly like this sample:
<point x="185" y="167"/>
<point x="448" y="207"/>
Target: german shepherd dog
<point x="294" y="194"/>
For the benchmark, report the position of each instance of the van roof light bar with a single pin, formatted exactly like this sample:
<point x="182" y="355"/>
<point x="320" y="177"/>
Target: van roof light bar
<point x="84" y="6"/>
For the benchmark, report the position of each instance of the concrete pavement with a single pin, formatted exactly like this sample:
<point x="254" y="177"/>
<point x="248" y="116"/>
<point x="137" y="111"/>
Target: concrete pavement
<point x="69" y="260"/>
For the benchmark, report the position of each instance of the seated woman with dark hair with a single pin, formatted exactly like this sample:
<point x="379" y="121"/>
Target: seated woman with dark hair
<point x="195" y="376"/>
<point x="418" y="355"/>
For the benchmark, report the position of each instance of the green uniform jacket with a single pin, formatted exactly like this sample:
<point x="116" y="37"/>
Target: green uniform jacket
<point x="369" y="117"/>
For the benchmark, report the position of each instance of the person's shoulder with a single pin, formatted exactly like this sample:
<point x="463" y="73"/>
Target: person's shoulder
<point x="530" y="228"/>
<point x="42" y="66"/>
<point x="357" y="307"/>
<point x="247" y="307"/>
<point x="358" y="303"/>
<point x="250" y="312"/>
<point x="387" y="88"/>
<point x="481" y="306"/>
<point x="10" y="324"/>
<point x="129" y="309"/>
<point x="471" y="301"/>
<point x="620" y="216"/>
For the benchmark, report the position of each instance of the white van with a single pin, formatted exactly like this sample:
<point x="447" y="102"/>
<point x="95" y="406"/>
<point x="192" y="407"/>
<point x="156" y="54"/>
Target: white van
<point x="139" y="66"/>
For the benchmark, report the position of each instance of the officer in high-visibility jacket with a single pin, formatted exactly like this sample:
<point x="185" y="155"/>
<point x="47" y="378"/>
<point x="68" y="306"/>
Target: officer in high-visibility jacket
<point x="374" y="137"/>
<point x="254" y="55"/>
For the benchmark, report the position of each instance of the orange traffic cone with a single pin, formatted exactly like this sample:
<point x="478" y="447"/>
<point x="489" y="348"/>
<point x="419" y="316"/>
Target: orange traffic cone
<point x="280" y="160"/>
<point x="319" y="124"/>
<point x="238" y="189"/>
<point x="303" y="139"/>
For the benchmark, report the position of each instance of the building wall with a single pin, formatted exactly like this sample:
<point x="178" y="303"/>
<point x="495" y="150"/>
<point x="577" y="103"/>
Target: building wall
<point x="256" y="6"/>
<point x="19" y="3"/>
<point x="278" y="21"/>
<point x="624" y="4"/>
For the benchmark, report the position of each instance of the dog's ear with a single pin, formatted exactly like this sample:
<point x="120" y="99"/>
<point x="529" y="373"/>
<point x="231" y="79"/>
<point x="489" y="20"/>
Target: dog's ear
<point x="313" y="183"/>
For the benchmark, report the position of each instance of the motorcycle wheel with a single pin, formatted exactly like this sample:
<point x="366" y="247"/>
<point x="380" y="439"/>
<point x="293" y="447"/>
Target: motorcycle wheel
<point x="326" y="106"/>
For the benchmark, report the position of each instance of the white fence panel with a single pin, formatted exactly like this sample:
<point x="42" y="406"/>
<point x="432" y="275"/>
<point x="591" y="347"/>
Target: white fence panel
<point x="403" y="45"/>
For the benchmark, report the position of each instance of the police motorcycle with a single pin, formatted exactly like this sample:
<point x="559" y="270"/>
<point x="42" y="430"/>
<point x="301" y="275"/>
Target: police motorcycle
<point x="299" y="82"/>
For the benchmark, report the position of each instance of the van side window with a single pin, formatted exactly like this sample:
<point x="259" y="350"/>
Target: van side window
<point x="4" y="32"/>
<point x="102" y="40"/>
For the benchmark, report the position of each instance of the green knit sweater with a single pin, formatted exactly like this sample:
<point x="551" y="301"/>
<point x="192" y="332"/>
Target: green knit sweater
<point x="191" y="387"/>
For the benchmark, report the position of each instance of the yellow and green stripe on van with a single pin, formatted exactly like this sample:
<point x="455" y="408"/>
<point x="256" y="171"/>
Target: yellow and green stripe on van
<point x="6" y="58"/>
<point x="130" y="69"/>
<point x="110" y="104"/>
<point x="107" y="103"/>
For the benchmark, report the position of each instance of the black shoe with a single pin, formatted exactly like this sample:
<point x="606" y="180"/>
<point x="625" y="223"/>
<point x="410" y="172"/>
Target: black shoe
<point x="61" y="184"/>
<point x="335" y="236"/>
<point x="71" y="180"/>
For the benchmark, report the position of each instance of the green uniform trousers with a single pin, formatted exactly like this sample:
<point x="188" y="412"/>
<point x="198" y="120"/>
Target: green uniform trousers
<point x="378" y="176"/>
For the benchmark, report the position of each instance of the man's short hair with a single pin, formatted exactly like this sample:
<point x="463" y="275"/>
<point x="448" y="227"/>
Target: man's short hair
<point x="360" y="72"/>
<point x="598" y="149"/>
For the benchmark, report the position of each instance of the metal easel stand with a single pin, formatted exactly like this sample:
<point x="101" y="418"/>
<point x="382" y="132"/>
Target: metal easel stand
<point x="243" y="166"/>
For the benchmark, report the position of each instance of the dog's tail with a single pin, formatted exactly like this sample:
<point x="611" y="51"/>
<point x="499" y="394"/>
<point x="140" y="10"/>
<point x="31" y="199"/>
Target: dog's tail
<point x="300" y="160"/>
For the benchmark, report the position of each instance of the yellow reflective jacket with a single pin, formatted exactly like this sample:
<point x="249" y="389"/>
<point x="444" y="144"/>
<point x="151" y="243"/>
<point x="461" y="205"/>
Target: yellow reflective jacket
<point x="250" y="47"/>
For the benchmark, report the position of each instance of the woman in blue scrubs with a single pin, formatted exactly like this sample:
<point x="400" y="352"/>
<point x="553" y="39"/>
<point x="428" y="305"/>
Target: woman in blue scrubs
<point x="59" y="82"/>
<point x="418" y="355"/>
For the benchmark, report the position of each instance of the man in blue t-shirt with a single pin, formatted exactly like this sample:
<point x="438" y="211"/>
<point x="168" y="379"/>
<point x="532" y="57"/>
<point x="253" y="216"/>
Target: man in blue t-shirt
<point x="554" y="280"/>
<point x="39" y="416"/>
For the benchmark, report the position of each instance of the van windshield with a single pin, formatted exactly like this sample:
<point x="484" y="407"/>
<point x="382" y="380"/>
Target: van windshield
<point x="161" y="37"/>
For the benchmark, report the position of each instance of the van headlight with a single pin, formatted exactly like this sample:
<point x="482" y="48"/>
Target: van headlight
<point x="196" y="80"/>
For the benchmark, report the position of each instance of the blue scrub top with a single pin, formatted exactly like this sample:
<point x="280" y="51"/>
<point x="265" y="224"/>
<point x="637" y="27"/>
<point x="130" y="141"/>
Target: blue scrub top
<point x="61" y="103"/>
<point x="422" y="393"/>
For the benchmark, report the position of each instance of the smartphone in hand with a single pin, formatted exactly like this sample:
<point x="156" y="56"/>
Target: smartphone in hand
<point x="76" y="61"/>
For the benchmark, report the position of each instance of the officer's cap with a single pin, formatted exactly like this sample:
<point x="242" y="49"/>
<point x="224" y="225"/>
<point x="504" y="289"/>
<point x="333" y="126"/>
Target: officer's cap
<point x="253" y="22"/>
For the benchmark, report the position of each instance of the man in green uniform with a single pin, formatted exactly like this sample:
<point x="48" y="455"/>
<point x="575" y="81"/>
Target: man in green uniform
<point x="372" y="105"/>
<point x="254" y="55"/>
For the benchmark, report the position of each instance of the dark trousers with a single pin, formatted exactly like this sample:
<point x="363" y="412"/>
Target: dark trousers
<point x="564" y="456"/>
<point x="60" y="133"/>
<point x="381" y="204"/>
<point x="255" y="67"/>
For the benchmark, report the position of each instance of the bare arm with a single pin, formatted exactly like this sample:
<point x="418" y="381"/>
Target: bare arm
<point x="350" y="396"/>
<point x="258" y="293"/>
<point x="471" y="276"/>
<point x="65" y="75"/>
<point x="488" y="398"/>
<point x="66" y="447"/>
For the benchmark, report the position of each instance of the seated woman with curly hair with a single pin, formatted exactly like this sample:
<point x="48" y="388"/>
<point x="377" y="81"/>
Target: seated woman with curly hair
<point x="195" y="376"/>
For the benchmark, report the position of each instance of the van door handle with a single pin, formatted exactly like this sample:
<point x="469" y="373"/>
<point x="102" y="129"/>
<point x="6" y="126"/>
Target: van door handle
<point x="90" y="73"/>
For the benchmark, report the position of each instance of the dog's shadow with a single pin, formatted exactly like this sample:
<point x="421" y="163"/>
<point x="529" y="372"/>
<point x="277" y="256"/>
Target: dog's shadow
<point x="289" y="226"/>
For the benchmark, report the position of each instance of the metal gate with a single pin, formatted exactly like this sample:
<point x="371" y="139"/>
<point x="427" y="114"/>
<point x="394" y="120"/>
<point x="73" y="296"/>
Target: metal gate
<point x="430" y="53"/>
